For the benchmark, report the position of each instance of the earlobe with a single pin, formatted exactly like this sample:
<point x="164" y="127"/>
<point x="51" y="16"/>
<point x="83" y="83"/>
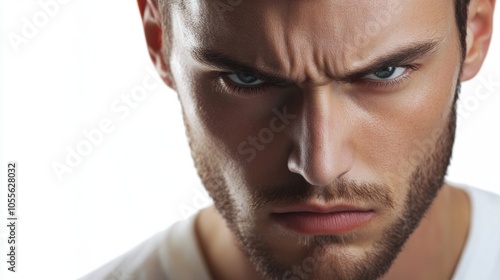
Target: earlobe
<point x="151" y="19"/>
<point x="479" y="30"/>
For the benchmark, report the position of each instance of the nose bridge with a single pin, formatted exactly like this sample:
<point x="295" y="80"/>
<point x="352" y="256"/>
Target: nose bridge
<point x="320" y="152"/>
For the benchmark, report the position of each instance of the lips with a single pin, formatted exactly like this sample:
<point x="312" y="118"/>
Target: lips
<point x="314" y="220"/>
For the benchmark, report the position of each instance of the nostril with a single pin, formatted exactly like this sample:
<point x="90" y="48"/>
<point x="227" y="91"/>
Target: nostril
<point x="315" y="171"/>
<point x="293" y="162"/>
<point x="319" y="166"/>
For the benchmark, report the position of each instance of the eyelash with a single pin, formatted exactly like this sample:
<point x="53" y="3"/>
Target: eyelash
<point x="393" y="82"/>
<point x="229" y="86"/>
<point x="248" y="90"/>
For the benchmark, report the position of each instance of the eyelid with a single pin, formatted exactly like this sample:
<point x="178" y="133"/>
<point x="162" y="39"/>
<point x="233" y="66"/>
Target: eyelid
<point x="266" y="82"/>
<point x="227" y="85"/>
<point x="264" y="87"/>
<point x="368" y="76"/>
<point x="392" y="82"/>
<point x="235" y="75"/>
<point x="268" y="79"/>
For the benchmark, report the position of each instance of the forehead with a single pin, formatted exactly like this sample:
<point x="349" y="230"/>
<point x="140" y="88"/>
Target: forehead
<point x="282" y="34"/>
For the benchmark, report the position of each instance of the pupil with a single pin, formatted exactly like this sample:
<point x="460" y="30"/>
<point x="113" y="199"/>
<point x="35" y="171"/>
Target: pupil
<point x="385" y="73"/>
<point x="246" y="78"/>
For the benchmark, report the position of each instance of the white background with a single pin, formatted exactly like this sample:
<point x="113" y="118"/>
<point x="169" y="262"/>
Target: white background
<point x="140" y="179"/>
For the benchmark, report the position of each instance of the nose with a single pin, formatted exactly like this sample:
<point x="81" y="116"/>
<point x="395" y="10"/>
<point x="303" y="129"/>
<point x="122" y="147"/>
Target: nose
<point x="321" y="151"/>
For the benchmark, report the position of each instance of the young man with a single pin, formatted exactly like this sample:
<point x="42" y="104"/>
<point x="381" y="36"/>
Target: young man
<point x="322" y="130"/>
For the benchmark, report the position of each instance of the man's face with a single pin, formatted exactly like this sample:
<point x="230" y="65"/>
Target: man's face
<point x="294" y="107"/>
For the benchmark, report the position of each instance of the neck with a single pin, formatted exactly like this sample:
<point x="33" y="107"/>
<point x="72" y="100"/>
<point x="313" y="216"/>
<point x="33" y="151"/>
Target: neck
<point x="434" y="248"/>
<point x="220" y="248"/>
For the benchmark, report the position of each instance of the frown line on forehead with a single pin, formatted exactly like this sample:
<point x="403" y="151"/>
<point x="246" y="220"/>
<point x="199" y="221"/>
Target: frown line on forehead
<point x="397" y="56"/>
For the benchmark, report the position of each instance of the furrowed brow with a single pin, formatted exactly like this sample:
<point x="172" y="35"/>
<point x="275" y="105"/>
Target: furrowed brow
<point x="219" y="60"/>
<point x="398" y="57"/>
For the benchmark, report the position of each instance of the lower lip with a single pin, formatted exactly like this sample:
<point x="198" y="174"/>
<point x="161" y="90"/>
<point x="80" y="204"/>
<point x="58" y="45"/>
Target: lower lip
<point x="324" y="223"/>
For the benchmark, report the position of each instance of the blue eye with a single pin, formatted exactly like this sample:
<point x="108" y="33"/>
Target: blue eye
<point x="243" y="79"/>
<point x="387" y="73"/>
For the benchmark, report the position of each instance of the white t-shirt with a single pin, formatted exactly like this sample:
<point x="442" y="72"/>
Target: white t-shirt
<point x="174" y="253"/>
<point x="481" y="255"/>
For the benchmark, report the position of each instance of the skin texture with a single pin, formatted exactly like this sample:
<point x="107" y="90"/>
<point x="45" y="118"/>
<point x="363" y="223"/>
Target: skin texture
<point x="348" y="139"/>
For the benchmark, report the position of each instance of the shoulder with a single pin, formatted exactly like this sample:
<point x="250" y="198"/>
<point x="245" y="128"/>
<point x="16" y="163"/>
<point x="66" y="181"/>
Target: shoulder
<point x="141" y="262"/>
<point x="483" y="202"/>
<point x="155" y="258"/>
<point x="481" y="255"/>
<point x="485" y="212"/>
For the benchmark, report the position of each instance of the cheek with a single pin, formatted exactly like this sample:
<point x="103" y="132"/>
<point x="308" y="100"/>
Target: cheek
<point x="396" y="137"/>
<point x="224" y="124"/>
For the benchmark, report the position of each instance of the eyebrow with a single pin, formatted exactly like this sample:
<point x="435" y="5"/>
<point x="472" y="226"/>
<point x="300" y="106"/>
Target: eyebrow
<point x="397" y="57"/>
<point x="220" y="60"/>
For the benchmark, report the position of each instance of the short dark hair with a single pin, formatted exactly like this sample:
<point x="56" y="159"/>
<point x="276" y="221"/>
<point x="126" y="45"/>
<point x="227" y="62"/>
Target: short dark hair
<point x="461" y="14"/>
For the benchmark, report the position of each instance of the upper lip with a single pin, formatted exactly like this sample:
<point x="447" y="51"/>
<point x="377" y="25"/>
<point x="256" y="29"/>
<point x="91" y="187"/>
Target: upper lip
<point x="321" y="209"/>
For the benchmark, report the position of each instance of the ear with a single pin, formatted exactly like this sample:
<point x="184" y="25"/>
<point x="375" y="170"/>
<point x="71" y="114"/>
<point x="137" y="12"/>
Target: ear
<point x="479" y="30"/>
<point x="151" y="19"/>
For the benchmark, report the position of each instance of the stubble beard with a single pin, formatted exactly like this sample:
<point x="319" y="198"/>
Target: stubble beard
<point x="424" y="184"/>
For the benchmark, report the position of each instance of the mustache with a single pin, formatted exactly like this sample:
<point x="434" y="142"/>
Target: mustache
<point x="341" y="189"/>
